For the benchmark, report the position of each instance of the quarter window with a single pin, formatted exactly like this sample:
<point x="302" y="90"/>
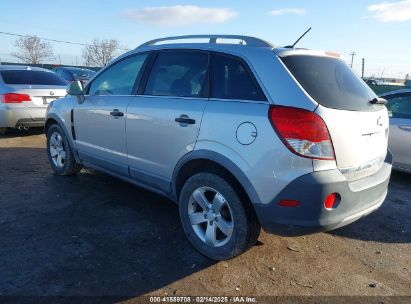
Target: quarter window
<point x="120" y="78"/>
<point x="232" y="80"/>
<point x="180" y="74"/>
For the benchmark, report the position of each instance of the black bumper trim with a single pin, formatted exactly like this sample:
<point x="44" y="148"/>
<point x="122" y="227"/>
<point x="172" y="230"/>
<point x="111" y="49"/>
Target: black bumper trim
<point x="311" y="190"/>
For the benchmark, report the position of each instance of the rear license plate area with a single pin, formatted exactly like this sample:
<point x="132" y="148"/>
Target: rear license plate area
<point x="47" y="100"/>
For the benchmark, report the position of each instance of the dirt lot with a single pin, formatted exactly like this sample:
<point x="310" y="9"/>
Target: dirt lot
<point x="95" y="235"/>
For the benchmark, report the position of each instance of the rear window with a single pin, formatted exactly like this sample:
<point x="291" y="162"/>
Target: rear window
<point x="32" y="78"/>
<point x="331" y="82"/>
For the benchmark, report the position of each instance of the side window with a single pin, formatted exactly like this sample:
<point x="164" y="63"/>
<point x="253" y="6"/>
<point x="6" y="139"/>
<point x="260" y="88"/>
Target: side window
<point x="232" y="80"/>
<point x="177" y="73"/>
<point x="399" y="106"/>
<point x="118" y="79"/>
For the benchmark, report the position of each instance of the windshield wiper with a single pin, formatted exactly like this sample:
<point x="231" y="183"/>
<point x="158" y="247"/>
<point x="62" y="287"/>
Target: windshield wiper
<point x="378" y="100"/>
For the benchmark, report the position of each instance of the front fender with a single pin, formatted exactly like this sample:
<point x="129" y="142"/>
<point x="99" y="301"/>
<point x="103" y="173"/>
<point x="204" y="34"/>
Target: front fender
<point x="63" y="123"/>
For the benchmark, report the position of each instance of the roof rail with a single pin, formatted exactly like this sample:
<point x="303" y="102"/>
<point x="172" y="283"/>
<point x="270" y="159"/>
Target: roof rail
<point x="248" y="40"/>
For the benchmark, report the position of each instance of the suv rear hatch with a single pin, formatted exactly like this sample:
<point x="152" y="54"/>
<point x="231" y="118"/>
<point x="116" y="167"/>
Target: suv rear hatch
<point x="358" y="128"/>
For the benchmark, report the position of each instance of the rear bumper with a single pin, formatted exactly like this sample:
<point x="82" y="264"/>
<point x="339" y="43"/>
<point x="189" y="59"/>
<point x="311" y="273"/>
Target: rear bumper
<point x="358" y="198"/>
<point x="24" y="116"/>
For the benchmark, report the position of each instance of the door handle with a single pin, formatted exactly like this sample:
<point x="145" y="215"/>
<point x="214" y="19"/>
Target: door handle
<point x="405" y="128"/>
<point x="116" y="113"/>
<point x="184" y="119"/>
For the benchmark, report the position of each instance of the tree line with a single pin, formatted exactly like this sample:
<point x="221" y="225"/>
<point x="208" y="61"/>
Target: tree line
<point x="33" y="50"/>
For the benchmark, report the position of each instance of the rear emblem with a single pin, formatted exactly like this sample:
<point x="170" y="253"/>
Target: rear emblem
<point x="379" y="121"/>
<point x="51" y="93"/>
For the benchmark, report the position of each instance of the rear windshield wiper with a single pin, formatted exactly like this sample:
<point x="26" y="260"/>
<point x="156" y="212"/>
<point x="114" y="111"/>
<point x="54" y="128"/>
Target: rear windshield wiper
<point x="378" y="100"/>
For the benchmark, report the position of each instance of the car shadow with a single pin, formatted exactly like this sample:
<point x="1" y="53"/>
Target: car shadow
<point x="22" y="133"/>
<point x="88" y="234"/>
<point x="389" y="224"/>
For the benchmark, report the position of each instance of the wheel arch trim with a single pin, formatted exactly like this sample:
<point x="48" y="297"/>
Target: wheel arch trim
<point x="221" y="160"/>
<point x="52" y="116"/>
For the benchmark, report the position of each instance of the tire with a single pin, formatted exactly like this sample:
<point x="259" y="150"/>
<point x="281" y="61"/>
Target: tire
<point x="3" y="131"/>
<point x="64" y="162"/>
<point x="227" y="209"/>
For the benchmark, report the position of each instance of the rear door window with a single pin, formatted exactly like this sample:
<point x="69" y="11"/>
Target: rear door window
<point x="232" y="79"/>
<point x="27" y="77"/>
<point x="331" y="82"/>
<point x="179" y="73"/>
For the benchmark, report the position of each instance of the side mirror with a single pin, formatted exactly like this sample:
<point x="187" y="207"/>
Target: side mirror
<point x="75" y="88"/>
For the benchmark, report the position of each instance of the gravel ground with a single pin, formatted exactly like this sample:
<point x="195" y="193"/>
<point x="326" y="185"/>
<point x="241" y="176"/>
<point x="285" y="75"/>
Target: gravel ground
<point x="92" y="234"/>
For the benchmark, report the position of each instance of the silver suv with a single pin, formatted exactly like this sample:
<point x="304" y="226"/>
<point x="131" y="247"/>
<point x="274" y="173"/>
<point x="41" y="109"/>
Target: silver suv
<point x="241" y="136"/>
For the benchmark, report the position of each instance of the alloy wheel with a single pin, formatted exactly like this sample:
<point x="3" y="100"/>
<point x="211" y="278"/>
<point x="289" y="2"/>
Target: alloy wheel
<point x="57" y="152"/>
<point x="210" y="216"/>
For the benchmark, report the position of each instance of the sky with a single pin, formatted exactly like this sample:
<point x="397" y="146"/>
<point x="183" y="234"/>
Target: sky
<point x="377" y="30"/>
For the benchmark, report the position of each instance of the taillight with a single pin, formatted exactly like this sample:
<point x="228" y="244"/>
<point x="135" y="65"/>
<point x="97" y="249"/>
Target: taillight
<point x="303" y="132"/>
<point x="15" y="98"/>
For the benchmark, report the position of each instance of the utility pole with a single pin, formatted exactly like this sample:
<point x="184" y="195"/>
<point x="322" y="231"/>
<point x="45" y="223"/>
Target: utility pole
<point x="352" y="54"/>
<point x="362" y="69"/>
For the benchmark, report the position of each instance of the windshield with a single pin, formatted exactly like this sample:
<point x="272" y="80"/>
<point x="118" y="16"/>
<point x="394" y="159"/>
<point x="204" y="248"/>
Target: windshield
<point x="31" y="78"/>
<point x="82" y="73"/>
<point x="331" y="82"/>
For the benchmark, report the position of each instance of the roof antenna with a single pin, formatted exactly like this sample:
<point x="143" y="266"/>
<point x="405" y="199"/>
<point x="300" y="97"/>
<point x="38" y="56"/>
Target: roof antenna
<point x="298" y="40"/>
